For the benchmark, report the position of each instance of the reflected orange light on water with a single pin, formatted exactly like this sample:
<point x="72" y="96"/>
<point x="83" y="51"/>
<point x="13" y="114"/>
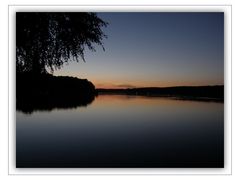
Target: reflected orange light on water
<point x="146" y="101"/>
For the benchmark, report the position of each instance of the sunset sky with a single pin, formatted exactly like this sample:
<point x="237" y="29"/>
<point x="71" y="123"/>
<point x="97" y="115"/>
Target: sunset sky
<point x="155" y="49"/>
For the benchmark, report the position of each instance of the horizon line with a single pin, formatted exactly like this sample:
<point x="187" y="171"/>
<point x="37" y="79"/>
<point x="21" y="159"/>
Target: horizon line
<point x="161" y="87"/>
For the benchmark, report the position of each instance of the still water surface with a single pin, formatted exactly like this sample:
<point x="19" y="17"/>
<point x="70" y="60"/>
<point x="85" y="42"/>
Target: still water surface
<point x="123" y="131"/>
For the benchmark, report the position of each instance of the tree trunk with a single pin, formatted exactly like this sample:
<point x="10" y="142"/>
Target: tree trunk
<point x="37" y="67"/>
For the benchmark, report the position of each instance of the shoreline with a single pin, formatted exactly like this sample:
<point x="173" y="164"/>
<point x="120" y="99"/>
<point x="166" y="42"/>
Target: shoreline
<point x="204" y="93"/>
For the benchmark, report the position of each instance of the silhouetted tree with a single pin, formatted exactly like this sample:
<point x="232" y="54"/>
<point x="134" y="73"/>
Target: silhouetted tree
<point x="48" y="40"/>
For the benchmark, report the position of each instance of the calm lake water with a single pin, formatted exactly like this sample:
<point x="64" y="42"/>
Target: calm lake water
<point x="123" y="131"/>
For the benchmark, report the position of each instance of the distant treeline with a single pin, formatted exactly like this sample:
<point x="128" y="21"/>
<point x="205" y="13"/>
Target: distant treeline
<point x="46" y="92"/>
<point x="203" y="92"/>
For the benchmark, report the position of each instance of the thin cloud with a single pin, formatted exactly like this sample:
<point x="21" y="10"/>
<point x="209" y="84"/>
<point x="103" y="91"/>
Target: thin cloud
<point x="125" y="86"/>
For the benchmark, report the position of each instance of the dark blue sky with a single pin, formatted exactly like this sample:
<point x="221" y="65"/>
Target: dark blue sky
<point x="156" y="49"/>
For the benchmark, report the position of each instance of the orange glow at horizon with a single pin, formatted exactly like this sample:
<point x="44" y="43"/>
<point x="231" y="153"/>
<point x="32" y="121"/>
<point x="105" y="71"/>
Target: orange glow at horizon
<point x="119" y="85"/>
<point x="117" y="82"/>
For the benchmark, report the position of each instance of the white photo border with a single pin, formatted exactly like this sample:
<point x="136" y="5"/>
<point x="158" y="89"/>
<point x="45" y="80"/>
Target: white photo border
<point x="227" y="170"/>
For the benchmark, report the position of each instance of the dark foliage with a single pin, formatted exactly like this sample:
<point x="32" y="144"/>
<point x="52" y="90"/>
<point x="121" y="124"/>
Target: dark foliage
<point x="48" y="40"/>
<point x="47" y="92"/>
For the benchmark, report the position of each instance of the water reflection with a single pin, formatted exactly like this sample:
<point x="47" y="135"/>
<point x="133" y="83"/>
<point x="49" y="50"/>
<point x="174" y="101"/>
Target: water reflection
<point x="124" y="131"/>
<point x="48" y="103"/>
